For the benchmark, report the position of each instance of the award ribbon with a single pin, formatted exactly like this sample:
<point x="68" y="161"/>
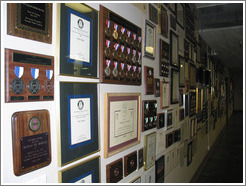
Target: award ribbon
<point x="122" y="48"/>
<point x="155" y="118"/>
<point x="49" y="74"/>
<point x="134" y="52"/>
<point x="115" y="64"/>
<point x="123" y="30"/>
<point x="116" y="46"/>
<point x="134" y="36"/>
<point x="129" y="67"/>
<point x="134" y="68"/>
<point x="19" y="71"/>
<point x="34" y="73"/>
<point x="128" y="33"/>
<point x="146" y="120"/>
<point x="139" y="39"/>
<point x="116" y="26"/>
<point x="151" y="119"/>
<point x="108" y="62"/>
<point x="108" y="42"/>
<point x="108" y="23"/>
<point x="139" y="69"/>
<point x="128" y="50"/>
<point x="122" y="66"/>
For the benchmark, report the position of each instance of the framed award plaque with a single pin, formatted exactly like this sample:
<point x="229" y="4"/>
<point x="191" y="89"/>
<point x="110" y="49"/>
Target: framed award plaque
<point x="169" y="139"/>
<point x="120" y="49"/>
<point x="174" y="42"/>
<point x="153" y="14"/>
<point x="30" y="20"/>
<point x="140" y="158"/>
<point x="181" y="71"/>
<point x="180" y="14"/>
<point x="78" y="40"/>
<point x="149" y="150"/>
<point x="85" y="172"/>
<point x="165" y="91"/>
<point x="161" y="120"/>
<point x="157" y="87"/>
<point x="189" y="153"/>
<point x="121" y="122"/>
<point x="28" y="76"/>
<point x="115" y="171"/>
<point x="149" y="80"/>
<point x="170" y="118"/>
<point x="149" y="40"/>
<point x="160" y="170"/>
<point x="163" y="20"/>
<point x="173" y="22"/>
<point x="78" y="121"/>
<point x="130" y="163"/>
<point x="164" y="59"/>
<point x="31" y="140"/>
<point x="174" y="86"/>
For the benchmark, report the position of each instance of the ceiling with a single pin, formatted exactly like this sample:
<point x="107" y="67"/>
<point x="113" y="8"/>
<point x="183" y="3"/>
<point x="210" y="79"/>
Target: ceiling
<point x="221" y="26"/>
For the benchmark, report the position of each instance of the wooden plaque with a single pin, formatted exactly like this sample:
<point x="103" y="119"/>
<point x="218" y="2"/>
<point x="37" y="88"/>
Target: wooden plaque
<point x="149" y="80"/>
<point x="114" y="171"/>
<point x="31" y="140"/>
<point x="30" y="20"/>
<point x="130" y="163"/>
<point x="28" y="76"/>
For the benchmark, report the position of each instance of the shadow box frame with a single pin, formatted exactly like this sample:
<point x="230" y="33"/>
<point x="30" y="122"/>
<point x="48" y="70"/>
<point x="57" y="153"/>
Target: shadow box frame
<point x="77" y="99"/>
<point x="89" y="169"/>
<point x="123" y="98"/>
<point x="147" y="54"/>
<point x="173" y="36"/>
<point x="77" y="65"/>
<point x="165" y="84"/>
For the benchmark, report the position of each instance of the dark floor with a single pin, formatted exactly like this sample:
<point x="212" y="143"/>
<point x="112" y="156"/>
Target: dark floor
<point x="225" y="161"/>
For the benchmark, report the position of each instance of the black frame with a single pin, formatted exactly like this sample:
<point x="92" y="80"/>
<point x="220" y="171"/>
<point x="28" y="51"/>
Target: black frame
<point x="163" y="18"/>
<point x="181" y="84"/>
<point x="177" y="17"/>
<point x="172" y="34"/>
<point x="174" y="101"/>
<point x="153" y="14"/>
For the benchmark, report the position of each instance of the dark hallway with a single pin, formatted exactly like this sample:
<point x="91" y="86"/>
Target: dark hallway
<point x="224" y="163"/>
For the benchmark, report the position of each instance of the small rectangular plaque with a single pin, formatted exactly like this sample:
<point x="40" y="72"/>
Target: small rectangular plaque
<point x="130" y="163"/>
<point x="149" y="80"/>
<point x="115" y="171"/>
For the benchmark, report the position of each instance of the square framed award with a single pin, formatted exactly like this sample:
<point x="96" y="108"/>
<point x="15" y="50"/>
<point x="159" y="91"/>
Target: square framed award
<point x="153" y="13"/>
<point x="78" y="40"/>
<point x="180" y="14"/>
<point x="174" y="86"/>
<point x="165" y="92"/>
<point x="30" y="20"/>
<point x="160" y="170"/>
<point x="114" y="171"/>
<point x="181" y="71"/>
<point x="78" y="121"/>
<point x="85" y="172"/>
<point x="130" y="163"/>
<point x="174" y="47"/>
<point x="157" y="87"/>
<point x="149" y="150"/>
<point x="149" y="40"/>
<point x="121" y="122"/>
<point x="163" y="20"/>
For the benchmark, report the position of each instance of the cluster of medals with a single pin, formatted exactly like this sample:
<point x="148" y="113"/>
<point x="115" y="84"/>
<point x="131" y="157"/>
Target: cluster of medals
<point x="150" y="115"/>
<point x="164" y="68"/>
<point x="18" y="85"/>
<point x="122" y="52"/>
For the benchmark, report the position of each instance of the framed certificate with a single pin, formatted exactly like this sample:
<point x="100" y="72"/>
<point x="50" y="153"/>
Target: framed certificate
<point x="163" y="20"/>
<point x="78" y="121"/>
<point x="153" y="14"/>
<point x="85" y="172"/>
<point x="149" y="150"/>
<point x="150" y="40"/>
<point x="181" y="71"/>
<point x="165" y="94"/>
<point x="121" y="122"/>
<point x="174" y="47"/>
<point x="180" y="14"/>
<point x="78" y="40"/>
<point x="174" y="86"/>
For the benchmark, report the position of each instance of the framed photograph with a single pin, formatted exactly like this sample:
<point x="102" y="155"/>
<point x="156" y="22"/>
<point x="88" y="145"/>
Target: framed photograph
<point x="78" y="40"/>
<point x="149" y="80"/>
<point x="121" y="122"/>
<point x="85" y="172"/>
<point x="157" y="87"/>
<point x="180" y="14"/>
<point x="153" y="13"/>
<point x="30" y="20"/>
<point x="150" y="40"/>
<point x="149" y="150"/>
<point x="181" y="71"/>
<point x="174" y="86"/>
<point x="114" y="171"/>
<point x="160" y="170"/>
<point x="163" y="20"/>
<point x="174" y="47"/>
<point x="165" y="91"/>
<point x="78" y="121"/>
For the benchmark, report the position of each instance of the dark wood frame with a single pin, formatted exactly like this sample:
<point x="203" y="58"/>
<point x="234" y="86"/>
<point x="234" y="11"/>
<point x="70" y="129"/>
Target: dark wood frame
<point x="115" y="164"/>
<point x="128" y="170"/>
<point x="149" y="88"/>
<point x="157" y="87"/>
<point x="181" y="65"/>
<point x="172" y="35"/>
<point x="163" y="14"/>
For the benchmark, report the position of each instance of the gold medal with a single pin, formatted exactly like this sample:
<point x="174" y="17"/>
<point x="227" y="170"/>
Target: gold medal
<point x="115" y="34"/>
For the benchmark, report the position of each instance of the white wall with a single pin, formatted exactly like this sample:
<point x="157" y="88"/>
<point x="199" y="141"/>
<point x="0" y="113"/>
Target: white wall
<point x="49" y="173"/>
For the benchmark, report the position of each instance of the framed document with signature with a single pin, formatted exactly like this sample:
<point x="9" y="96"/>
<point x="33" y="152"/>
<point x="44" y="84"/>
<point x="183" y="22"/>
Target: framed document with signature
<point x="78" y="40"/>
<point x="85" y="172"/>
<point x="78" y="121"/>
<point x="149" y="150"/>
<point x="121" y="122"/>
<point x="149" y="43"/>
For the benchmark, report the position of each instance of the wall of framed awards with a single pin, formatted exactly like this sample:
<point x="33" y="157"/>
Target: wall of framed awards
<point x="133" y="104"/>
